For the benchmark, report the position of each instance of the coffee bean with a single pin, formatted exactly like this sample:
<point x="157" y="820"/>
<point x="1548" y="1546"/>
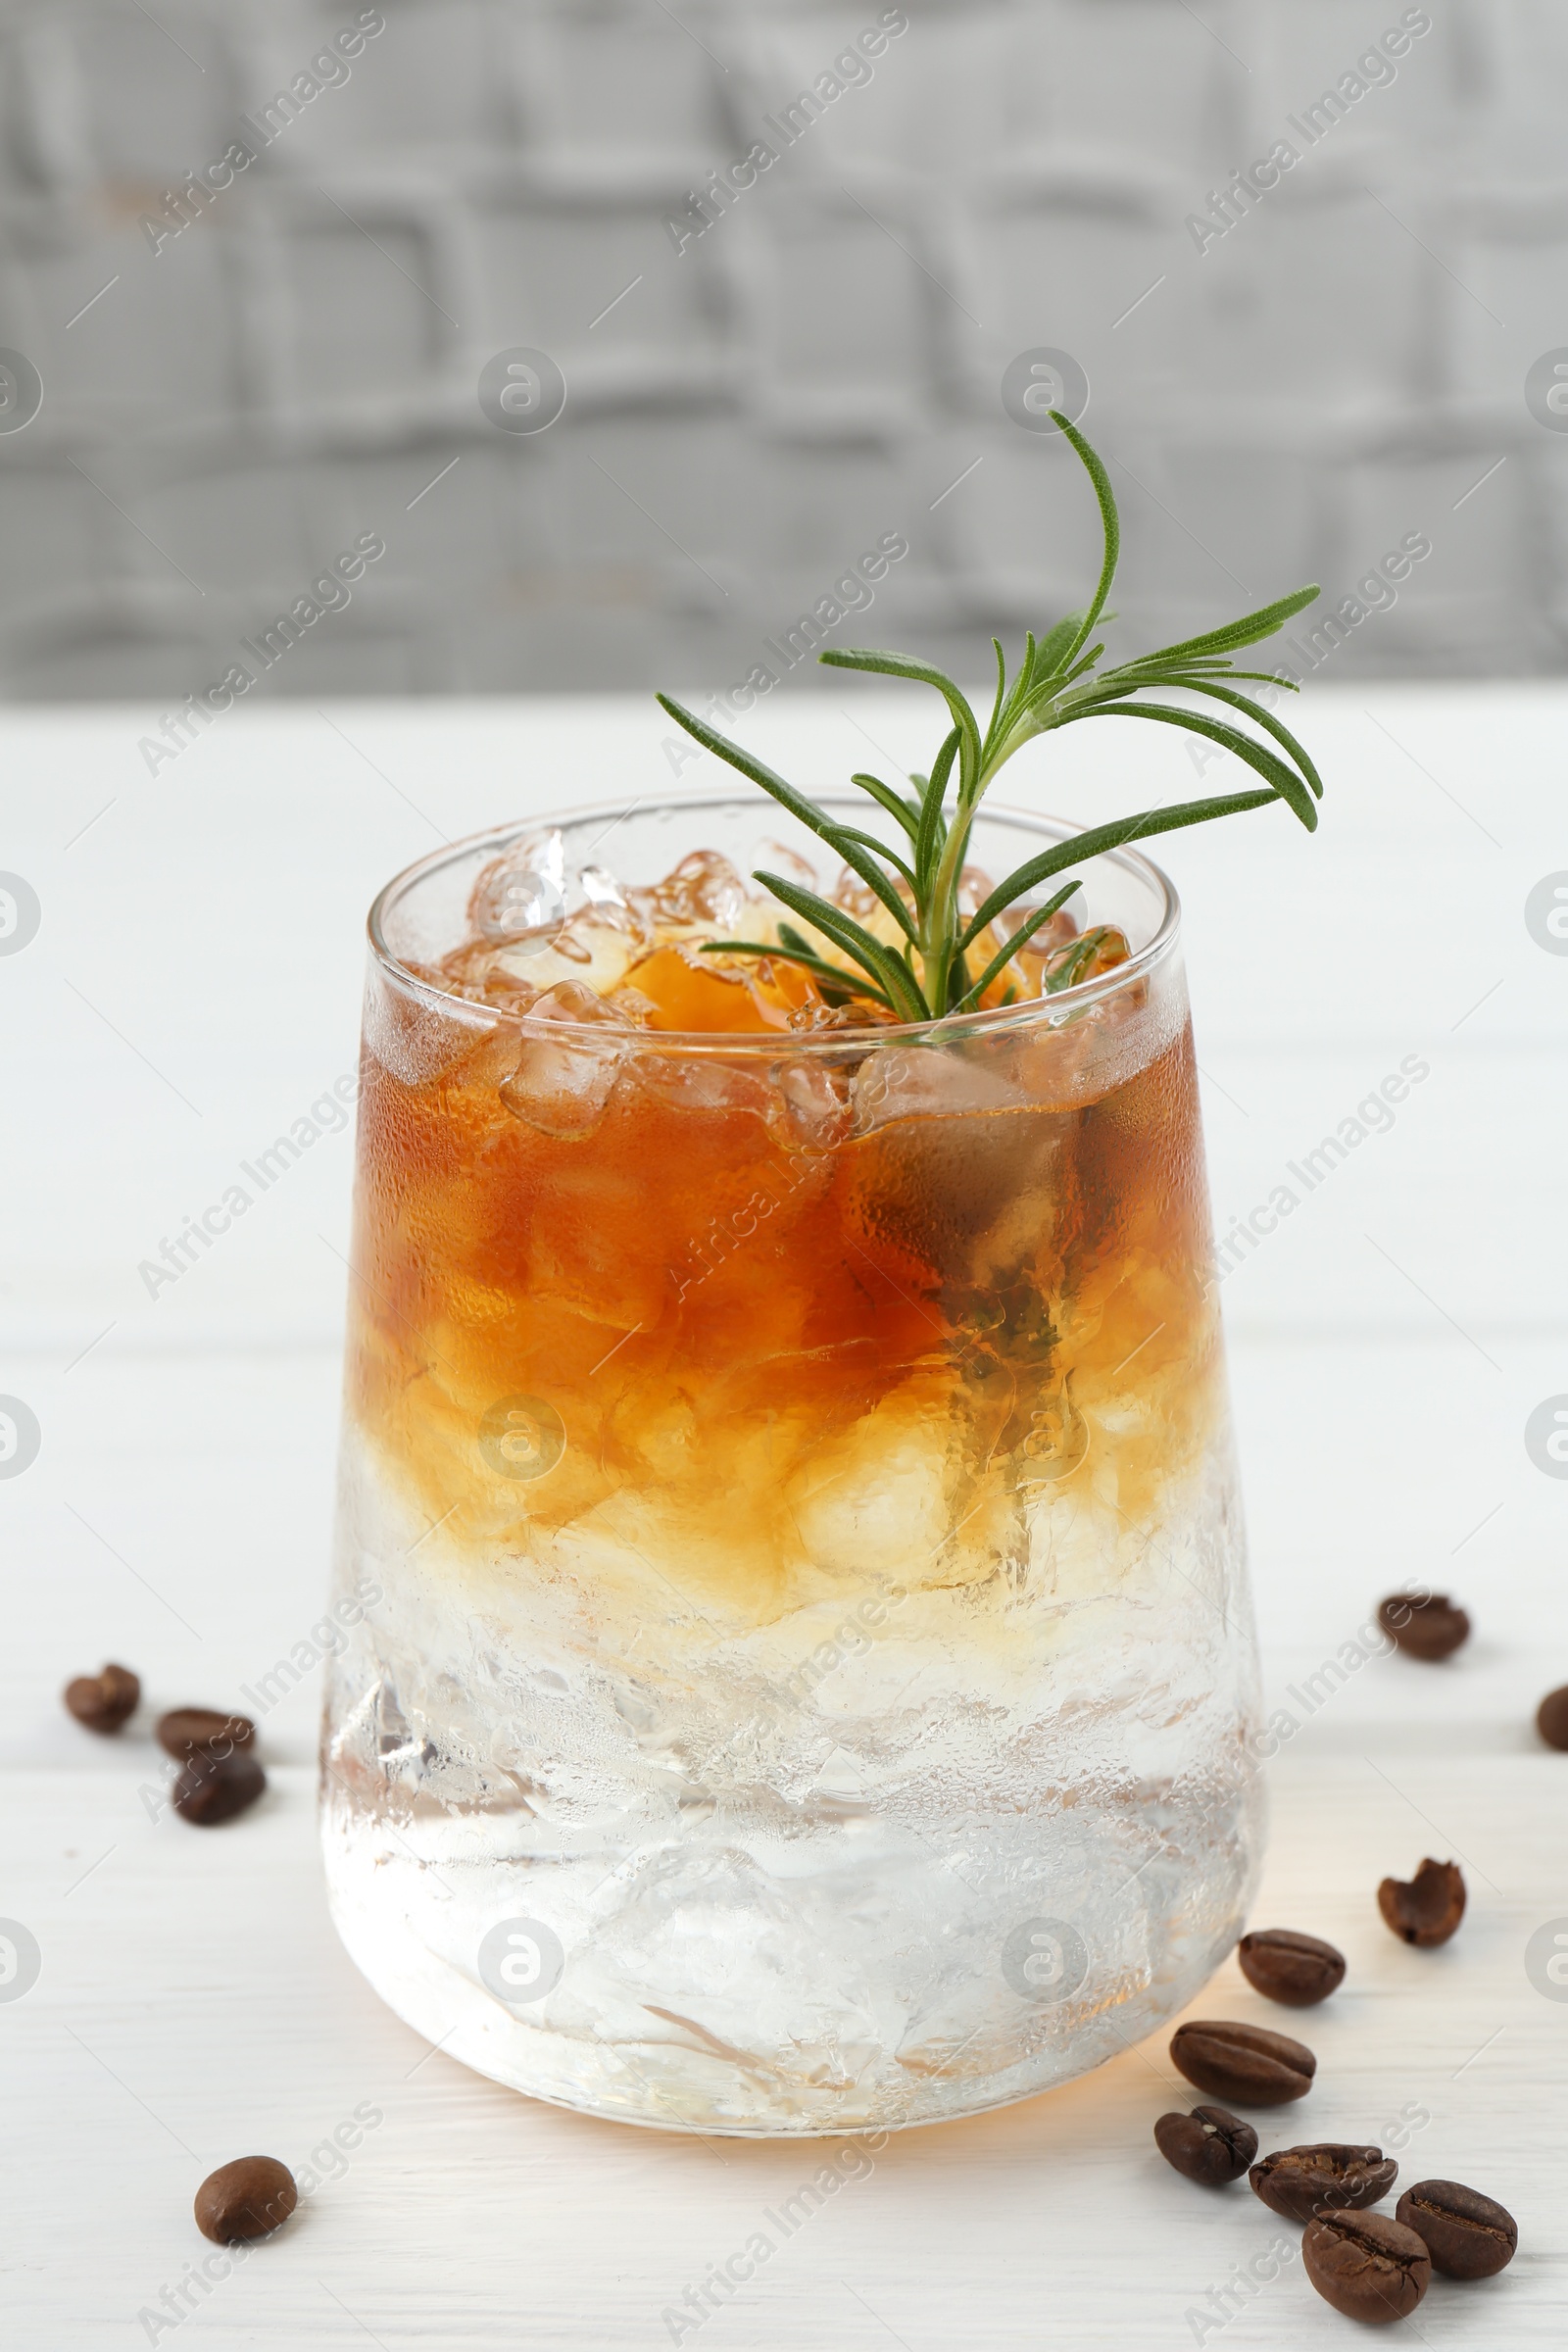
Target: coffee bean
<point x="1284" y="1966"/>
<point x="1467" y="2235"/>
<point x="1431" y="1627"/>
<point x="248" y="2198"/>
<point x="1366" y="2266"/>
<point x="1325" y="2177"/>
<point x="1209" y="2145"/>
<point x="187" y="1732"/>
<point x="213" y="1789"/>
<point x="1551" y="1718"/>
<point x="1244" y="2063"/>
<point x="1427" y="1908"/>
<point x="104" y="1701"/>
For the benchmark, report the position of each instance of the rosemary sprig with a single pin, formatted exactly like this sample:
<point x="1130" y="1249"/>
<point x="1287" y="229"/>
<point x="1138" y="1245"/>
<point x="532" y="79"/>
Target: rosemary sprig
<point x="924" y="975"/>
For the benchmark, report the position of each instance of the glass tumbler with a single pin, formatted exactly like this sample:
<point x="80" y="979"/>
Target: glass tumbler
<point x="801" y="1675"/>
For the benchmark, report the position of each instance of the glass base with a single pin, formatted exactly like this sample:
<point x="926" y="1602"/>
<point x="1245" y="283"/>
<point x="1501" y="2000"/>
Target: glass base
<point x="841" y="1980"/>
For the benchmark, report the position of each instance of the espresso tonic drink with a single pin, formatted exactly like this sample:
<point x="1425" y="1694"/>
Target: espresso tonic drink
<point x="806" y="1679"/>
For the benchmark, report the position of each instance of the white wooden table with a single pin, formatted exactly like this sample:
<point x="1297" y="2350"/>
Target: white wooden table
<point x="193" y="988"/>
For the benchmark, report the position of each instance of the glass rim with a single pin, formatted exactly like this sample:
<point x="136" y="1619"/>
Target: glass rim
<point x="998" y="1020"/>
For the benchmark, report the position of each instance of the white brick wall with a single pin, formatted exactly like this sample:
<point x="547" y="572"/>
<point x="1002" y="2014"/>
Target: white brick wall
<point x="1341" y="368"/>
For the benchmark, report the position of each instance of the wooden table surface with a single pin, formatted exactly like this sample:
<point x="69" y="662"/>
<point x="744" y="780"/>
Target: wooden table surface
<point x="192" y="991"/>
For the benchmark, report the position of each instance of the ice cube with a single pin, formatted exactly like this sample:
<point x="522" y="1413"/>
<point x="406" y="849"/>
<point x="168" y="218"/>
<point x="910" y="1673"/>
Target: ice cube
<point x="693" y="1082"/>
<point x="855" y="896"/>
<point x="521" y="897"/>
<point x="610" y="903"/>
<point x="855" y="1013"/>
<point x="913" y="1082"/>
<point x="704" y="889"/>
<point x="779" y="859"/>
<point x="582" y="949"/>
<point x="561" y="1085"/>
<point x="417" y="1041"/>
<point x="873" y="1502"/>
<point x="956" y="1178"/>
<point x="479" y="974"/>
<point x="810" y="1110"/>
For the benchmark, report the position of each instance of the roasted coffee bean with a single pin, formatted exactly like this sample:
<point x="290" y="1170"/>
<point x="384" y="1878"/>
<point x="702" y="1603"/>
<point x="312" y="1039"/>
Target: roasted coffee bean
<point x="187" y="1732"/>
<point x="213" y="1789"/>
<point x="1429" y="1627"/>
<point x="1325" y="2177"/>
<point x="1209" y="2145"/>
<point x="1284" y="1966"/>
<point x="1427" y="1908"/>
<point x="248" y="2198"/>
<point x="1551" y="1718"/>
<point x="1467" y="2235"/>
<point x="1365" y="2264"/>
<point x="104" y="1701"/>
<point x="1244" y="2063"/>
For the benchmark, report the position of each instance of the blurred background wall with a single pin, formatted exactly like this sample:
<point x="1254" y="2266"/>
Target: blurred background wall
<point x="242" y="381"/>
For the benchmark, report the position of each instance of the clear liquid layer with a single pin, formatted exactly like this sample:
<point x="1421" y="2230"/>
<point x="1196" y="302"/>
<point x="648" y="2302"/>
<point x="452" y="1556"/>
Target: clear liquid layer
<point x="1006" y="1833"/>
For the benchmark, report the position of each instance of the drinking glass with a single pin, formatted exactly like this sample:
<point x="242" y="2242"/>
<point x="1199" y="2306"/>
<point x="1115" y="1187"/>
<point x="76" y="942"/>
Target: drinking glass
<point x="801" y="1674"/>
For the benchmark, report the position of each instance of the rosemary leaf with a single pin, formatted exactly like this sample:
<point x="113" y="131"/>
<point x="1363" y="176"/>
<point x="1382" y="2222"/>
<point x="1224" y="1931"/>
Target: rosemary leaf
<point x="1020" y="939"/>
<point x="851" y="983"/>
<point x="1292" y="790"/>
<point x="907" y="813"/>
<point x="1117" y="835"/>
<point x="878" y="962"/>
<point x="1070" y="969"/>
<point x="933" y="828"/>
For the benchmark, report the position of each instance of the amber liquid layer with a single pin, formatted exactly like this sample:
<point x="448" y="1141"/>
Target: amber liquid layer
<point x="713" y="1302"/>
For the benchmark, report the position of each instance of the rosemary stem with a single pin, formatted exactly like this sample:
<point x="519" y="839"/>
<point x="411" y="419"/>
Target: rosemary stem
<point x="1058" y="681"/>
